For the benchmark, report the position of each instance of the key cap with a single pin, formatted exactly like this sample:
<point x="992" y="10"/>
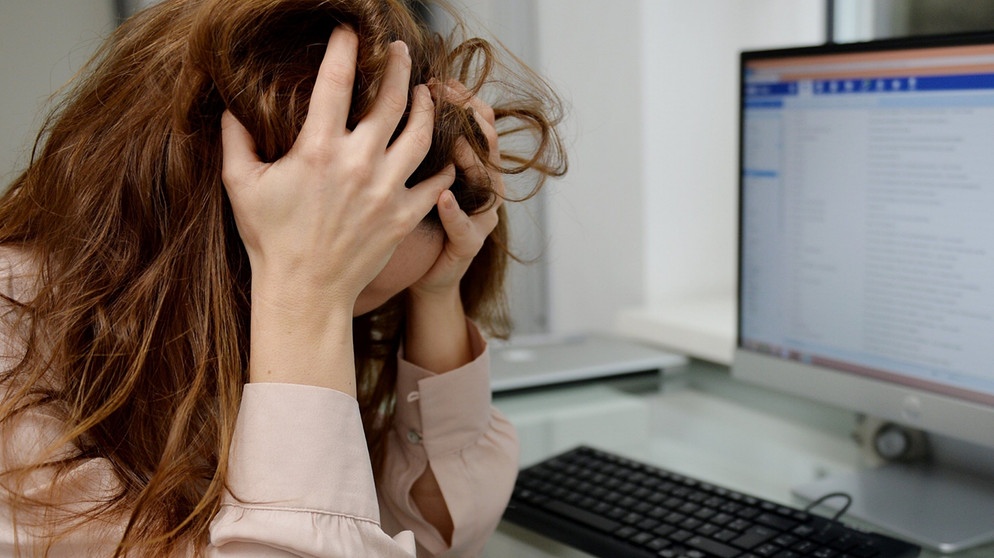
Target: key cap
<point x="712" y="547"/>
<point x="776" y="521"/>
<point x="583" y="516"/>
<point x="754" y="537"/>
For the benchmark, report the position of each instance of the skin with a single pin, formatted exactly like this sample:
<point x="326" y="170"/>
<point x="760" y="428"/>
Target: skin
<point x="331" y="231"/>
<point x="413" y="257"/>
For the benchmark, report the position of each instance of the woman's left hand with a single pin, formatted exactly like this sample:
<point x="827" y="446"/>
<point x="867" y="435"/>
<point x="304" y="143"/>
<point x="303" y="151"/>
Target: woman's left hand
<point x="464" y="234"/>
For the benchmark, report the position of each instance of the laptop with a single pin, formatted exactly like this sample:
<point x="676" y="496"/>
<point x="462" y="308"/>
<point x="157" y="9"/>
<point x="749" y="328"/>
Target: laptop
<point x="543" y="362"/>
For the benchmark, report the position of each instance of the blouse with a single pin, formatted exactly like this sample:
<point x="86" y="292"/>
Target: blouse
<point x="300" y="479"/>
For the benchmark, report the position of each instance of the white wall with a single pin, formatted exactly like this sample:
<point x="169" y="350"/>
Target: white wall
<point x="648" y="210"/>
<point x="42" y="42"/>
<point x="690" y="128"/>
<point x="591" y="50"/>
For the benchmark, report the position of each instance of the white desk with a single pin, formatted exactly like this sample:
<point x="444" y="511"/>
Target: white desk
<point x="700" y="422"/>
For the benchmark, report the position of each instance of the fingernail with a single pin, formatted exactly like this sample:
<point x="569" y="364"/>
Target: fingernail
<point x="423" y="92"/>
<point x="448" y="200"/>
<point x="403" y="47"/>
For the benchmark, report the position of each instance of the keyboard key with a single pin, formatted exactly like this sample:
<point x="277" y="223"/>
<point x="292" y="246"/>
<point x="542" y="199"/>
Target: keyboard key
<point x="712" y="547"/>
<point x="664" y="530"/>
<point x="658" y="544"/>
<point x="722" y="519"/>
<point x="725" y="536"/>
<point x="641" y="538"/>
<point x="631" y="518"/>
<point x="785" y="540"/>
<point x="739" y="525"/>
<point x="707" y="530"/>
<point x="845" y="541"/>
<point x="754" y="537"/>
<point x="625" y="532"/>
<point x="589" y="519"/>
<point x="647" y="524"/>
<point x="776" y="521"/>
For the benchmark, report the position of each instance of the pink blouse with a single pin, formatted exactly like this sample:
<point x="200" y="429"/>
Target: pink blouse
<point x="301" y="470"/>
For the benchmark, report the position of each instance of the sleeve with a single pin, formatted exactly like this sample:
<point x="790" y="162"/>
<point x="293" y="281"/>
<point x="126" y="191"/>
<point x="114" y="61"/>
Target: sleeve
<point x="300" y="485"/>
<point x="447" y="421"/>
<point x="300" y="480"/>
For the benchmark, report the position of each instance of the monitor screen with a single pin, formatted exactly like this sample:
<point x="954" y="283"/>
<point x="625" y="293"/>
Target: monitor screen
<point x="866" y="272"/>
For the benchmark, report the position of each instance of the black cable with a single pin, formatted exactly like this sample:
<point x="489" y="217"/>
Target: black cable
<point x="841" y="511"/>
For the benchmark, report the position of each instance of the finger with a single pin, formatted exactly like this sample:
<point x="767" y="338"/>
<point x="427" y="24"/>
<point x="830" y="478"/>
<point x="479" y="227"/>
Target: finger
<point x="496" y="179"/>
<point x="489" y="130"/>
<point x="464" y="233"/>
<point x="465" y="97"/>
<point x="328" y="112"/>
<point x="459" y="230"/>
<point x="238" y="153"/>
<point x="414" y="142"/>
<point x="467" y="161"/>
<point x="391" y="99"/>
<point x="490" y="133"/>
<point x="424" y="195"/>
<point x="483" y="114"/>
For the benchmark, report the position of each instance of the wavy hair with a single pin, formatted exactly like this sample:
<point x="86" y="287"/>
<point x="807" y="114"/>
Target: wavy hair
<point x="138" y="335"/>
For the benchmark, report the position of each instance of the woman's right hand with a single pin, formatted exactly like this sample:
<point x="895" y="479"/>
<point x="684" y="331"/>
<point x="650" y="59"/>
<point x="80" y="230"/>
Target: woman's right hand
<point x="321" y="222"/>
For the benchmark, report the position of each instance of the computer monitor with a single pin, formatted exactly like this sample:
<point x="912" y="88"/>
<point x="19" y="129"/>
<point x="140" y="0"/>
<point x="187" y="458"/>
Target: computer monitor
<point x="866" y="271"/>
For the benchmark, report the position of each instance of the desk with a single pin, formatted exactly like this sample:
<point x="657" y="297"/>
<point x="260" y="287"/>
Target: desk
<point x="698" y="421"/>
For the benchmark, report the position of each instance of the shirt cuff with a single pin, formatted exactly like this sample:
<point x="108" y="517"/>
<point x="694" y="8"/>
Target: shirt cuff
<point x="449" y="411"/>
<point x="288" y="438"/>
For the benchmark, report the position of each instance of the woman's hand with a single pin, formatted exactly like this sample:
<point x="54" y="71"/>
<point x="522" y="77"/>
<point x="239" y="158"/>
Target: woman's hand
<point x="436" y="336"/>
<point x="328" y="215"/>
<point x="321" y="222"/>
<point x="464" y="233"/>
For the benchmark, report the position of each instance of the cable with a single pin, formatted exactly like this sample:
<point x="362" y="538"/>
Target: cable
<point x="841" y="511"/>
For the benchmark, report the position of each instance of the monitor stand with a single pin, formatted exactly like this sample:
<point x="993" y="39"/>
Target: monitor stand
<point x="937" y="506"/>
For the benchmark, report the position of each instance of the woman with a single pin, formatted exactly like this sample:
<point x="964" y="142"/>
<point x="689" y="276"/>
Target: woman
<point x="235" y="282"/>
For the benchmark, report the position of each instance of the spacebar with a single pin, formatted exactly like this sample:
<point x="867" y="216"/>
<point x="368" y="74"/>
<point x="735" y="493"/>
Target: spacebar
<point x="712" y="547"/>
<point x="590" y="519"/>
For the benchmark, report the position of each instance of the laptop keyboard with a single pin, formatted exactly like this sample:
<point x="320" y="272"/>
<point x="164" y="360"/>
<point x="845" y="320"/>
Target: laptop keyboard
<point x="610" y="506"/>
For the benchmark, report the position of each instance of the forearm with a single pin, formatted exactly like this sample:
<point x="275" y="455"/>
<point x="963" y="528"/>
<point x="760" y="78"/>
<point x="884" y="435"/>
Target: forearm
<point x="436" y="337"/>
<point x="297" y="345"/>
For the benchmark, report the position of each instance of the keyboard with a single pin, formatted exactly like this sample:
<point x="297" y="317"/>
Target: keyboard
<point x="610" y="506"/>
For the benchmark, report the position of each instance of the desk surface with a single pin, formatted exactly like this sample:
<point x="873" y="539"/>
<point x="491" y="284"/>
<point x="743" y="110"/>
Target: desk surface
<point x="699" y="422"/>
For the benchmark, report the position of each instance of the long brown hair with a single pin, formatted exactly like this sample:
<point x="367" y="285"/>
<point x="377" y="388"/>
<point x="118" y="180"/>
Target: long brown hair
<point x="138" y="335"/>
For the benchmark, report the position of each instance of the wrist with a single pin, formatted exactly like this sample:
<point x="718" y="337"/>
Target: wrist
<point x="435" y="298"/>
<point x="301" y="340"/>
<point x="436" y="336"/>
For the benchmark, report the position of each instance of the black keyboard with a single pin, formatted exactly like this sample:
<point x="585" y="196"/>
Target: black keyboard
<point x="614" y="507"/>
